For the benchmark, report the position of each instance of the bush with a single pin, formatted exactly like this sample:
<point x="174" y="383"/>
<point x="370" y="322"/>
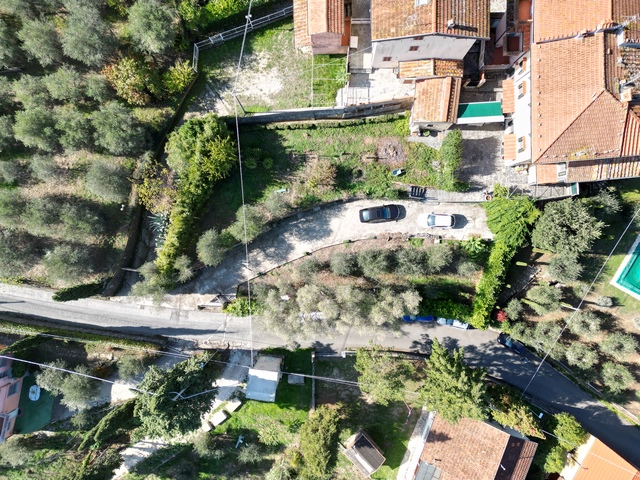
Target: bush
<point x="514" y="309"/>
<point x="132" y="79"/>
<point x="604" y="302"/>
<point x="467" y="269"/>
<point x="67" y="263"/>
<point x="254" y="224"/>
<point x="10" y="171"/>
<point x="276" y="205"/>
<point x="81" y="420"/>
<point x="178" y="77"/>
<point x="44" y="168"/>
<point x="240" y="307"/>
<point x="130" y="366"/>
<point x="490" y="283"/>
<point x="585" y="323"/>
<point x="16" y="451"/>
<point x="616" y="377"/>
<point x="373" y="263"/>
<point x="183" y="268"/>
<point x="618" y="345"/>
<point x="209" y="248"/>
<point x="12" y="206"/>
<point x="581" y="356"/>
<point x="40" y="214"/>
<point x="636" y="322"/>
<point x="109" y="181"/>
<point x="84" y="290"/>
<point x="343" y="264"/>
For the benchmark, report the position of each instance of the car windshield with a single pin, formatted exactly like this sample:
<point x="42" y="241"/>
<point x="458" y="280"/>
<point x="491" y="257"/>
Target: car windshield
<point x="365" y="215"/>
<point x="431" y="220"/>
<point x="386" y="213"/>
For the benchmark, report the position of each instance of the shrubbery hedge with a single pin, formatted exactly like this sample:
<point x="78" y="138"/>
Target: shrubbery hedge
<point x="490" y="284"/>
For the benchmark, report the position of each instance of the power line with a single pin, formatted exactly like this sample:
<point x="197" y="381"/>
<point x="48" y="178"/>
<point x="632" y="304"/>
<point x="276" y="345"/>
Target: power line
<point x="575" y="312"/>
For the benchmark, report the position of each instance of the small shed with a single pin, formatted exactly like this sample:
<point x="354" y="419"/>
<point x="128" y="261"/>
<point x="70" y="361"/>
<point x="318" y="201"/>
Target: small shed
<point x="264" y="378"/>
<point x="364" y="453"/>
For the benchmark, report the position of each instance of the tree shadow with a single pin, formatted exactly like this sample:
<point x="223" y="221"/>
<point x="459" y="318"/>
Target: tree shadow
<point x="423" y="345"/>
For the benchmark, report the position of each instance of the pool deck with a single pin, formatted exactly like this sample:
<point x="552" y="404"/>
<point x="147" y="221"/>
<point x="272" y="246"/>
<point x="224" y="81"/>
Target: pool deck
<point x="614" y="281"/>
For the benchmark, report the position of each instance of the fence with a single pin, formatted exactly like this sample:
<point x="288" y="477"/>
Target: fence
<point x="219" y="38"/>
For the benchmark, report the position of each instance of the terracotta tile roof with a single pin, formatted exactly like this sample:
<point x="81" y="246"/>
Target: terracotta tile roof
<point x="436" y="100"/>
<point x="606" y="169"/>
<point x="403" y="18"/>
<point x="325" y="16"/>
<point x="631" y="137"/>
<point x="509" y="146"/>
<point x="473" y="450"/>
<point x="449" y="68"/>
<point x="565" y="18"/>
<point x="508" y="97"/>
<point x="598" y="465"/>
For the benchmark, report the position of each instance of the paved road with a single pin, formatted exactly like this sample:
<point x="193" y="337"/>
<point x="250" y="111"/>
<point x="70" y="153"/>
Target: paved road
<point x="333" y="225"/>
<point x="481" y="349"/>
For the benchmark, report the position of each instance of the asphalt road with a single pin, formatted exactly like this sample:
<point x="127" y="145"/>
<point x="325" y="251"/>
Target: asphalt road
<point x="481" y="349"/>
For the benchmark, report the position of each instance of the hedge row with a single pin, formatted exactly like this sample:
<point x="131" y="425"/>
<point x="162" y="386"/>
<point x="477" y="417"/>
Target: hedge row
<point x="447" y="309"/>
<point x="15" y="328"/>
<point x="490" y="284"/>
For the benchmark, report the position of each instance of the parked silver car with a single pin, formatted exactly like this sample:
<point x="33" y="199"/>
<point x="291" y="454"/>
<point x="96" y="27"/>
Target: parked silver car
<point x="435" y="220"/>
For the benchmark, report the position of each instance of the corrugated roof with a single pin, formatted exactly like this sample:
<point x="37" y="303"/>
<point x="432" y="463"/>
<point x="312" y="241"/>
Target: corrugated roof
<point x="404" y="18"/>
<point x="508" y="96"/>
<point x="473" y="450"/>
<point x="510" y="147"/>
<point x="436" y="100"/>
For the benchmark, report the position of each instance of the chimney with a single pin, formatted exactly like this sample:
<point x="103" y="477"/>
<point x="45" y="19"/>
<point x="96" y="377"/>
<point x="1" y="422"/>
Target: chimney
<point x="451" y="23"/>
<point x="626" y="95"/>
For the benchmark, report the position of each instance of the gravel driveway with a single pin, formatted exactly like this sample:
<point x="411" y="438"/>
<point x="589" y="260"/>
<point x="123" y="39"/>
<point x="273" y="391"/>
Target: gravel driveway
<point x="310" y="231"/>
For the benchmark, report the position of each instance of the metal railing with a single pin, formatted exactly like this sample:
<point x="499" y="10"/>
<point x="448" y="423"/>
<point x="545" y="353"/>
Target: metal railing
<point x="219" y="38"/>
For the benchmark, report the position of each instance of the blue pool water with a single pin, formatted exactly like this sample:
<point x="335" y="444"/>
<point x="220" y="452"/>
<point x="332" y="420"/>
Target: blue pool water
<point x="630" y="276"/>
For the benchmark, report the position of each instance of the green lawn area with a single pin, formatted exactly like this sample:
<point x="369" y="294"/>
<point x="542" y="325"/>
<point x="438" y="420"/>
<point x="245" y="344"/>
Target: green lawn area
<point x="384" y="424"/>
<point x="34" y="415"/>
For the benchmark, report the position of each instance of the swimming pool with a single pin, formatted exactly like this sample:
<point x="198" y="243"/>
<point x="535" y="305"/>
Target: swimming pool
<point x="627" y="278"/>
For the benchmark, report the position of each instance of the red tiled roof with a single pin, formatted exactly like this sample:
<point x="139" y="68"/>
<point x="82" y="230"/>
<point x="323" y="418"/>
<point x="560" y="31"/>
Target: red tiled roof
<point x="403" y="18"/>
<point x="601" y="462"/>
<point x="508" y="97"/>
<point x="326" y="16"/>
<point x="565" y="18"/>
<point x="605" y="169"/>
<point x="300" y="29"/>
<point x="430" y="68"/>
<point x="510" y="146"/>
<point x="436" y="100"/>
<point x="474" y="450"/>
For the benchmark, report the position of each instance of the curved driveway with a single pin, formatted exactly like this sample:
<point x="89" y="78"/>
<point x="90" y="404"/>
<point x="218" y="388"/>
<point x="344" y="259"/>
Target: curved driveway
<point x="318" y="228"/>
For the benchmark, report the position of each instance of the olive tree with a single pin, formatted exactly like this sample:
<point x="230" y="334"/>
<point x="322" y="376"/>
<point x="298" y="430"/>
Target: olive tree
<point x="35" y="127"/>
<point x="75" y="128"/>
<point x="616" y="377"/>
<point x="585" y="323"/>
<point x="66" y="83"/>
<point x="581" y="356"/>
<point x="6" y="133"/>
<point x="152" y="26"/>
<point x="108" y="180"/>
<point x="40" y="41"/>
<point x="67" y="263"/>
<point x="86" y="37"/>
<point x="9" y="51"/>
<point x="31" y="91"/>
<point x="210" y="249"/>
<point x="116" y="130"/>
<point x="618" y="345"/>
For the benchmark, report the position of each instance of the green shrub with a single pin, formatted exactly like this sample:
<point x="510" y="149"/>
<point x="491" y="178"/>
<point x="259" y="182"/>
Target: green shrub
<point x="604" y="302"/>
<point x="616" y="377"/>
<point x="318" y="442"/>
<point x="10" y="171"/>
<point x="450" y="155"/>
<point x="564" y="268"/>
<point x="44" y="168"/>
<point x="373" y="263"/>
<point x="447" y="309"/>
<point x="439" y="257"/>
<point x="510" y="219"/>
<point x="210" y="249"/>
<point x="76" y="292"/>
<point x="251" y="218"/>
<point x="306" y="269"/>
<point x="178" y="77"/>
<point x="67" y="263"/>
<point x="514" y="309"/>
<point x="240" y="307"/>
<point x="544" y="299"/>
<point x="343" y="264"/>
<point x="411" y="261"/>
<point x="108" y="181"/>
<point x="17" y="253"/>
<point x="490" y="283"/>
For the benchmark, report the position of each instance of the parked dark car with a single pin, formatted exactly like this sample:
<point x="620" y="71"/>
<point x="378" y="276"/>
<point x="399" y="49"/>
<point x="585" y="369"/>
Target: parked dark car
<point x="418" y="318"/>
<point x="384" y="213"/>
<point x="511" y="344"/>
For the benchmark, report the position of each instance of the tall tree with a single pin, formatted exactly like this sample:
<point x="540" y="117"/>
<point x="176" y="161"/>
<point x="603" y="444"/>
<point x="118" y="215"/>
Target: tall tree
<point x="566" y="227"/>
<point x="510" y="218"/>
<point x="382" y="376"/>
<point x="86" y="37"/>
<point x="152" y="26"/>
<point x="452" y="388"/>
<point x="318" y="443"/>
<point x="65" y="84"/>
<point x="75" y="128"/>
<point x="169" y="409"/>
<point x="9" y="51"/>
<point x="40" y="40"/>
<point x="35" y="128"/>
<point x="510" y="410"/>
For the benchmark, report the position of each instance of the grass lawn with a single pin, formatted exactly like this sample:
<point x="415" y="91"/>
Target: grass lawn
<point x="385" y="424"/>
<point x="34" y="415"/>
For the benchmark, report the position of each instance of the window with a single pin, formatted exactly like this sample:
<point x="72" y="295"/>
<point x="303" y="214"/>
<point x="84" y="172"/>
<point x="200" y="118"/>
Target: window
<point x="413" y="49"/>
<point x="523" y="89"/>
<point x="13" y="389"/>
<point x="386" y="59"/>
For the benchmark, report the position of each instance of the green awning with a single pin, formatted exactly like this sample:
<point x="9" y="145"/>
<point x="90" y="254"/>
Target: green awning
<point x="480" y="112"/>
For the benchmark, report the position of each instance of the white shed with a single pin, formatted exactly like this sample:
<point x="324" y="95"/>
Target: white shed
<point x="264" y="378"/>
